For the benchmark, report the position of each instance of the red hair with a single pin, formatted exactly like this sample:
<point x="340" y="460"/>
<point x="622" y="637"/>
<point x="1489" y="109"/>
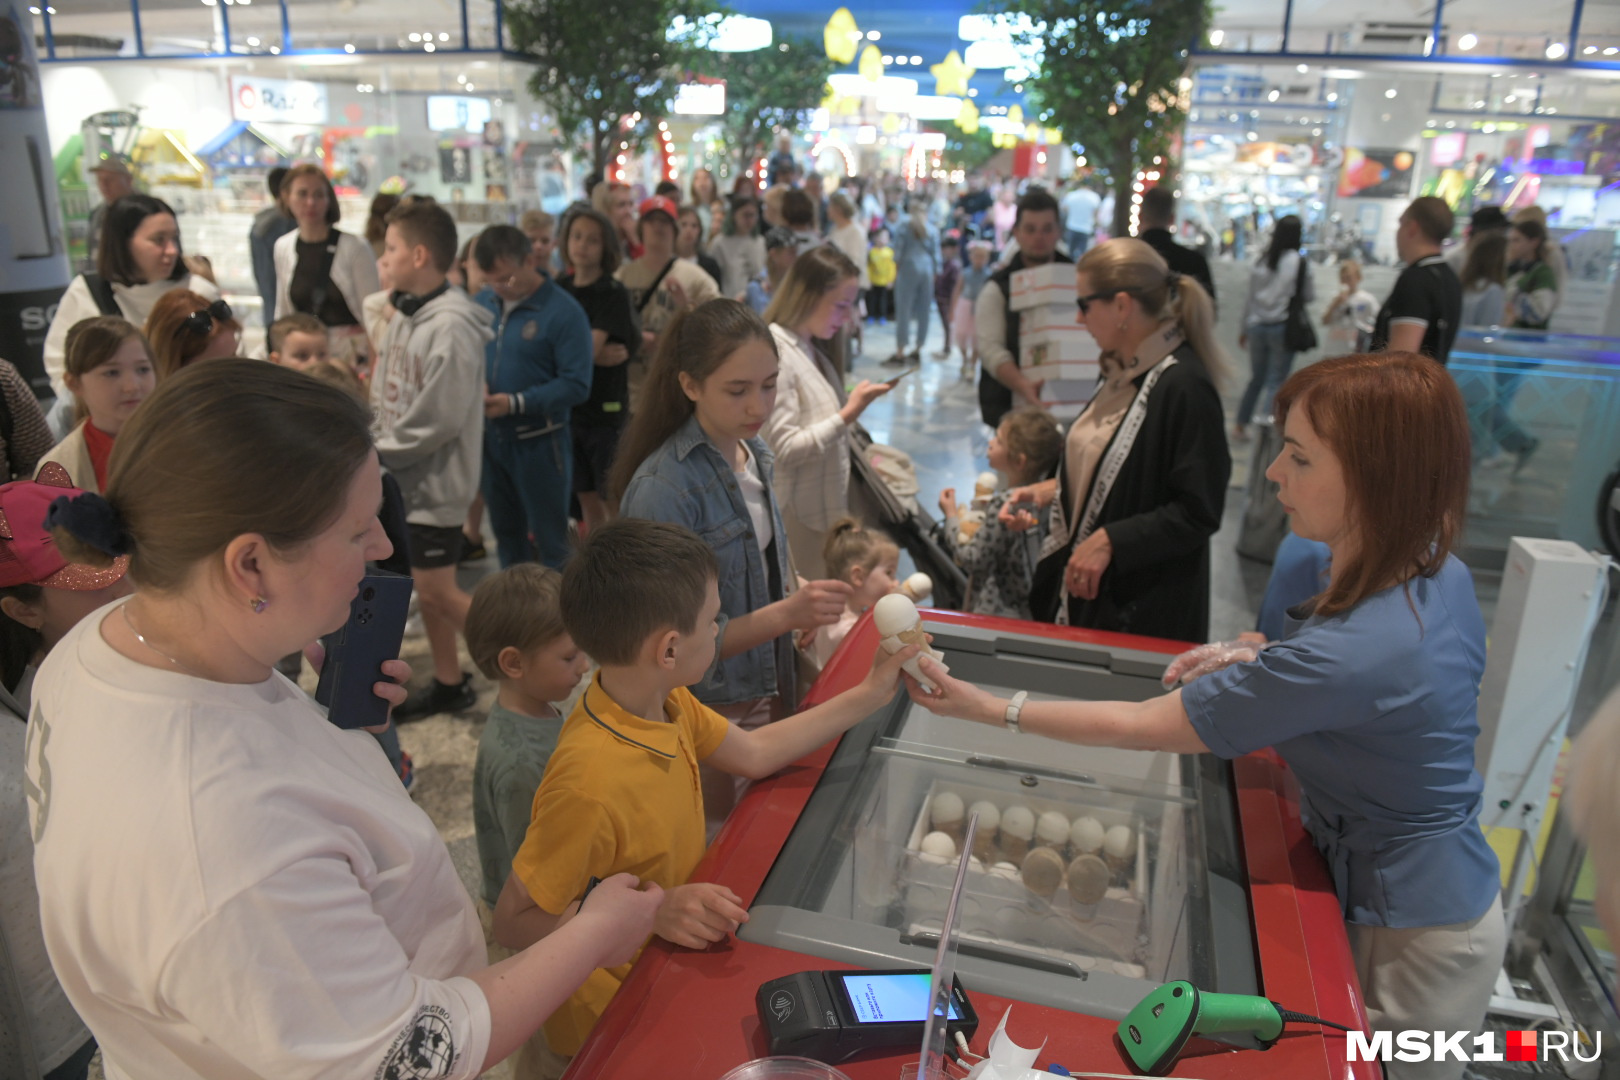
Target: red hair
<point x="173" y="345"/>
<point x="1398" y="426"/>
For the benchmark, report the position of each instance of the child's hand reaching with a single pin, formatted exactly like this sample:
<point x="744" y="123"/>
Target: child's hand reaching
<point x="818" y="603"/>
<point x="699" y="914"/>
<point x="947" y="502"/>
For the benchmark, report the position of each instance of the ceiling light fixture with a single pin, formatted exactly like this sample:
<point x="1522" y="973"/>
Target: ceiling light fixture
<point x="1556" y="51"/>
<point x="1467" y="41"/>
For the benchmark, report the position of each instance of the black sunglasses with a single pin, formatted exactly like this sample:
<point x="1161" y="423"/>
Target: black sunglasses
<point x="1084" y="302"/>
<point x="202" y="322"/>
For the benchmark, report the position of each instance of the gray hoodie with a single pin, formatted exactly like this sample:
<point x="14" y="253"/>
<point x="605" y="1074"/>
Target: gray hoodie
<point x="427" y="391"/>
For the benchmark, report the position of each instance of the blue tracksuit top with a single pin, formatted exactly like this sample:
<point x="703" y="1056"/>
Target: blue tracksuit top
<point x="541" y="353"/>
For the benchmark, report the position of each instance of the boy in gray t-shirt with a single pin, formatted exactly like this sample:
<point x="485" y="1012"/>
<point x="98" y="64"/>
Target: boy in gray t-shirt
<point x="516" y="637"/>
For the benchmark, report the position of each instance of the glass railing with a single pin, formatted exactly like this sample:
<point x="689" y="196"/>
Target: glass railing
<point x="1544" y="411"/>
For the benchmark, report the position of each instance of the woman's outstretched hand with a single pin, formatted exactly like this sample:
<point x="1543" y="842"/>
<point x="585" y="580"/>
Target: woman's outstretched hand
<point x="954" y="697"/>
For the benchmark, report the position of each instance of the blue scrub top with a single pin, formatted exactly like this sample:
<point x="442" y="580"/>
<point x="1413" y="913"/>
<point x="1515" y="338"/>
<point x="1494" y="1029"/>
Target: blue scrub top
<point x="1375" y="711"/>
<point x="1298" y="572"/>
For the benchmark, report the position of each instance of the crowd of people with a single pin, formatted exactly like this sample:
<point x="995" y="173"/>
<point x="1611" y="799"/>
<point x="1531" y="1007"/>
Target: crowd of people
<point x="651" y="404"/>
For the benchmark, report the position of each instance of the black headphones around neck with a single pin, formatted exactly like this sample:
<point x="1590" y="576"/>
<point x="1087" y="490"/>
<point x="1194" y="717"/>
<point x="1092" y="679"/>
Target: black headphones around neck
<point x="408" y="305"/>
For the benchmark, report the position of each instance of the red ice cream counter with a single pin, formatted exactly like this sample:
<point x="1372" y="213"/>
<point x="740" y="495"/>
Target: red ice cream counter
<point x="1210" y="877"/>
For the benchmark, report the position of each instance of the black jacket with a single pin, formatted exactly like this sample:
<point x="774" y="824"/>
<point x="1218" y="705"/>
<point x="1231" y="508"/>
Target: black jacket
<point x="1164" y="507"/>
<point x="1183" y="260"/>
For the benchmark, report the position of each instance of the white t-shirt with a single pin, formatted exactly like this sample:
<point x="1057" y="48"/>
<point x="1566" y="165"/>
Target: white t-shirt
<point x="232" y="887"/>
<point x="55" y="1029"/>
<point x="753" y="493"/>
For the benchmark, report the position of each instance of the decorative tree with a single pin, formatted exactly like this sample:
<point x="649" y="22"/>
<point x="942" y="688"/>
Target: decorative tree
<point x="1113" y="76"/>
<point x="600" y="61"/>
<point x="776" y="86"/>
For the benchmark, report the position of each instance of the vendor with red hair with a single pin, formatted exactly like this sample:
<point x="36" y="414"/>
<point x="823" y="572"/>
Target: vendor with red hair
<point x="1370" y="695"/>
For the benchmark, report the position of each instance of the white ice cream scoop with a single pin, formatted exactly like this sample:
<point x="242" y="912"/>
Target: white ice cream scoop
<point x="917" y="586"/>
<point x="899" y="625"/>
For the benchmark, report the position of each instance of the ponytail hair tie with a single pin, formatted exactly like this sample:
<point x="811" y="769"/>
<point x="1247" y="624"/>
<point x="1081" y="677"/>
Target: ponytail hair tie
<point x="92" y="520"/>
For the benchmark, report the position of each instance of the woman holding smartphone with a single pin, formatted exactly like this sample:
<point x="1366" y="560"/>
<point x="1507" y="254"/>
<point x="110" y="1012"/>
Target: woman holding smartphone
<point x="250" y="834"/>
<point x="809" y="430"/>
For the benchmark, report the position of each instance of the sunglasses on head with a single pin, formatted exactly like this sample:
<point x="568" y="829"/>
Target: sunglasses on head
<point x="202" y="322"/>
<point x="1084" y="302"/>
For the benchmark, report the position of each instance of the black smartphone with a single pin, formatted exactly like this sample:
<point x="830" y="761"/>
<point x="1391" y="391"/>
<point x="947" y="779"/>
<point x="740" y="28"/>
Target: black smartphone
<point x="356" y="653"/>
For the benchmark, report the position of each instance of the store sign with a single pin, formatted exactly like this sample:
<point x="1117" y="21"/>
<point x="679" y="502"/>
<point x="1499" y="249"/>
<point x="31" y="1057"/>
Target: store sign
<point x="700" y="99"/>
<point x="283" y="101"/>
<point x="452" y="112"/>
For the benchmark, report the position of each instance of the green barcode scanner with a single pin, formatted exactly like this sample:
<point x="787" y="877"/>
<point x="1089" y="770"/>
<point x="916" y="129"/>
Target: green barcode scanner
<point x="1155" y="1032"/>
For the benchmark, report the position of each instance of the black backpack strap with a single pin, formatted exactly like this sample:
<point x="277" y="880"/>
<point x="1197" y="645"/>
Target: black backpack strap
<point x="647" y="296"/>
<point x="102" y="293"/>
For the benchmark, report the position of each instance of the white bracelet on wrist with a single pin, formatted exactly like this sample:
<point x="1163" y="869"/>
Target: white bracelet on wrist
<point x="1014" y="707"/>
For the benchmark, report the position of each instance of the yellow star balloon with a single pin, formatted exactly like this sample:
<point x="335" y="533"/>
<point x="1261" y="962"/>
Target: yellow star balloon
<point x="1015" y="115"/>
<point x="951" y="76"/>
<point x="841" y="36"/>
<point x="891" y="123"/>
<point x="1054" y="136"/>
<point x="1032" y="132"/>
<point x="968" y="118"/>
<point x="871" y="66"/>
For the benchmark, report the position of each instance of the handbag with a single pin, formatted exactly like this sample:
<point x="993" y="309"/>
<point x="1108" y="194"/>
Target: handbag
<point x="1298" y="333"/>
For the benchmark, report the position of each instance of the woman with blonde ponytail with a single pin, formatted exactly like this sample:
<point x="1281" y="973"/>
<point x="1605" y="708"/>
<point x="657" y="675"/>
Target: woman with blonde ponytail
<point x="1142" y="481"/>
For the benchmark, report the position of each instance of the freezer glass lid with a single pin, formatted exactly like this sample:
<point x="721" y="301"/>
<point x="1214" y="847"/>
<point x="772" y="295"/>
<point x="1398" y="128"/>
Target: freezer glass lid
<point x="1096" y="874"/>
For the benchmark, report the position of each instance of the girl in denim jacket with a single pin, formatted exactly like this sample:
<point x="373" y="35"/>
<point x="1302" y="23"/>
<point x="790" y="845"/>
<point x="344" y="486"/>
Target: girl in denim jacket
<point x="692" y="455"/>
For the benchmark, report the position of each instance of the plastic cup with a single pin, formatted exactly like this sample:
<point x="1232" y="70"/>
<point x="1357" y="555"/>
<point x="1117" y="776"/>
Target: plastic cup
<point x="784" y="1068"/>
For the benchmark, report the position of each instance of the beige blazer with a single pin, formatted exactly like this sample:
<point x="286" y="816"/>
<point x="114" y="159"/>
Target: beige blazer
<point x="74" y="456"/>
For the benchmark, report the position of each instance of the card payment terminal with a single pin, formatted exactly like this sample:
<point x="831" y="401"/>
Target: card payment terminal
<point x="833" y="1015"/>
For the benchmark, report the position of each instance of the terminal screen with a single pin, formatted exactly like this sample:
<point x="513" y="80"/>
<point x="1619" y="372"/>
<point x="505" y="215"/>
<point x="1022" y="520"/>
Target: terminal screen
<point x="890" y="999"/>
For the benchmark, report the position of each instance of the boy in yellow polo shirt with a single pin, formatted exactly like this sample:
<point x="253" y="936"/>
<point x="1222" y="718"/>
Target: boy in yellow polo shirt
<point x="621" y="792"/>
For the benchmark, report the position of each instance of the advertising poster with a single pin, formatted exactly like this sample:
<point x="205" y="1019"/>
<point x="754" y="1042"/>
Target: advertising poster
<point x="1376" y="174"/>
<point x="33" y="257"/>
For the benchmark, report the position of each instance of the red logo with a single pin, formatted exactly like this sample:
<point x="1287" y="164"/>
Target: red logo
<point x="1521" y="1046"/>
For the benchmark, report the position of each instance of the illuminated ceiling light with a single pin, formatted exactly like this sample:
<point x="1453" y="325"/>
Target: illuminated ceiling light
<point x="1333" y="97"/>
<point x="253" y="42"/>
<point x="428" y="46"/>
<point x="1216" y="37"/>
<point x="973" y="91"/>
<point x="1467" y="41"/>
<point x="1610" y="51"/>
<point x="1510" y="99"/>
<point x="874" y="35"/>
<point x="416" y="37"/>
<point x="461" y="78"/>
<point x="728" y="33"/>
<point x="1274" y="95"/>
<point x="1556" y="51"/>
<point x="1589" y="50"/>
<point x="443" y="36"/>
<point x="471" y="88"/>
<point x="1302" y="68"/>
<point x="275" y="50"/>
<point x="1390" y="92"/>
<point x="348" y="48"/>
<point x="888" y="59"/>
<point x="33" y="11"/>
<point x="916" y="60"/>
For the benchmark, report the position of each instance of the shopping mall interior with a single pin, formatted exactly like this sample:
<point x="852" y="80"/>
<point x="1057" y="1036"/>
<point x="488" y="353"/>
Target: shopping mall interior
<point x="1335" y="113"/>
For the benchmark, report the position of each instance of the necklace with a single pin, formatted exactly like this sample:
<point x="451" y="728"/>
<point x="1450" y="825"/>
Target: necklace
<point x="142" y="639"/>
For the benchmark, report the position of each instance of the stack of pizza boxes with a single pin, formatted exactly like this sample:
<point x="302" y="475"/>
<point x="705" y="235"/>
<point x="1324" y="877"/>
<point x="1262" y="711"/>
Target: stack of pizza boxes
<point x="1052" y="345"/>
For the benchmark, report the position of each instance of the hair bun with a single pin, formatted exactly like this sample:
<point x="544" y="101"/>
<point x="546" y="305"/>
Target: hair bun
<point x="92" y="520"/>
